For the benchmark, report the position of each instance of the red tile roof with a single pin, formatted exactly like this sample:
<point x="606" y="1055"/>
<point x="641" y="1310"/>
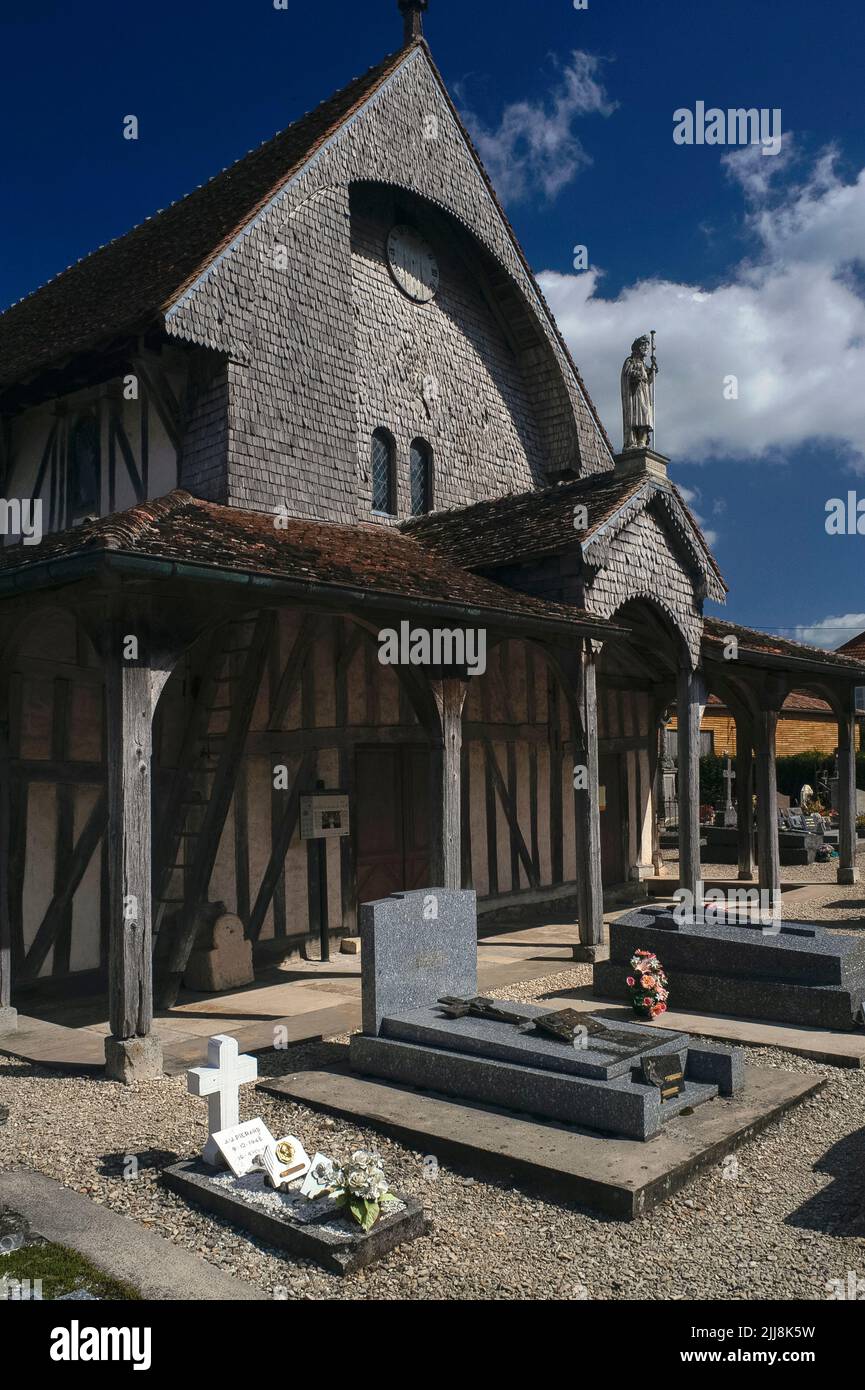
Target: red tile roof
<point x="715" y="630"/>
<point x="855" y="648"/>
<point x="368" y="558"/>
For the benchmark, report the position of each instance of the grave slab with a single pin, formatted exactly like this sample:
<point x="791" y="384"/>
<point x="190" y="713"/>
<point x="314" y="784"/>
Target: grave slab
<point x="802" y="974"/>
<point x="309" y="1231"/>
<point x="622" y="1178"/>
<point x="504" y="1043"/>
<point x="618" y="1107"/>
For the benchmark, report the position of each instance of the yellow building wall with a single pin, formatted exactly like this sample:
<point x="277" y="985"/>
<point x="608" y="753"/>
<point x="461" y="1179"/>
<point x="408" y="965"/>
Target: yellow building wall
<point x="793" y="736"/>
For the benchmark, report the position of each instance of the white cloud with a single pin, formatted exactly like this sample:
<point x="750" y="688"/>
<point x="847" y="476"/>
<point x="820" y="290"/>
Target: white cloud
<point x="534" y="148"/>
<point x="788" y="324"/>
<point x="830" y="632"/>
<point x="691" y="496"/>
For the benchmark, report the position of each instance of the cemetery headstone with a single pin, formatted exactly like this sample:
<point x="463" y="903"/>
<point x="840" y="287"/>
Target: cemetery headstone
<point x="242" y="1145"/>
<point x="417" y="947"/>
<point x="729" y="777"/>
<point x="220" y="1082"/>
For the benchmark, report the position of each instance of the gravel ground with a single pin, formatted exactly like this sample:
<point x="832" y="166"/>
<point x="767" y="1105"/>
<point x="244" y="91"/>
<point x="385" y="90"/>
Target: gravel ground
<point x="790" y="873"/>
<point x="780" y="1219"/>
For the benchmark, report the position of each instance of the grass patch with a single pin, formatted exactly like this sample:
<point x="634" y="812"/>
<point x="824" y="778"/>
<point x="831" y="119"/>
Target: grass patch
<point x="62" y="1271"/>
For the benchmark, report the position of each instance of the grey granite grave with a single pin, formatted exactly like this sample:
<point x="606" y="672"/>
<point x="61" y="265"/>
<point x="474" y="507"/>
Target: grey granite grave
<point x="794" y="846"/>
<point x="416" y="947"/>
<point x="800" y="974"/>
<point x="310" y="1230"/>
<point x="595" y="1081"/>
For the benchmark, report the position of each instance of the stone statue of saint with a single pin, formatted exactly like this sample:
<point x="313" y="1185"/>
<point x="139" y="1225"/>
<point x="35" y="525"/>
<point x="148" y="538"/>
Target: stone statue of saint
<point x="638" y="395"/>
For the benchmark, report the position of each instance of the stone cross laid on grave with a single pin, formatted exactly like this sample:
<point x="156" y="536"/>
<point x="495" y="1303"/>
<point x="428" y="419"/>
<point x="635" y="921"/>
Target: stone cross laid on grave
<point x="729" y="776"/>
<point x="220" y="1081"/>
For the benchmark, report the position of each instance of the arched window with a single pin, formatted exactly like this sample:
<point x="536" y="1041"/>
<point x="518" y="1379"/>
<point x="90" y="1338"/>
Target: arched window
<point x="383" y="481"/>
<point x="420" y="477"/>
<point x="84" y="467"/>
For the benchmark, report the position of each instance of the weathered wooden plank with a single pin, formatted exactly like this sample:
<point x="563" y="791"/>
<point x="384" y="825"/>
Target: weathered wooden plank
<point x="847" y="840"/>
<point x="280" y="756"/>
<point x="285" y="830"/>
<point x="555" y="787"/>
<point x="115" y="423"/>
<point x="445" y="773"/>
<point x="490" y="809"/>
<point x="64" y="824"/>
<point x="52" y="922"/>
<point x="293" y="671"/>
<point x="768" y="854"/>
<point x="531" y="716"/>
<point x="745" y="798"/>
<point x="508" y="805"/>
<point x="207" y="845"/>
<point x="465" y="817"/>
<point x="587" y="823"/>
<point x="346" y="644"/>
<point x="690" y="702"/>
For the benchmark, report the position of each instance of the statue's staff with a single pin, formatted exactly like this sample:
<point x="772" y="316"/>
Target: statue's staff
<point x="653" y="363"/>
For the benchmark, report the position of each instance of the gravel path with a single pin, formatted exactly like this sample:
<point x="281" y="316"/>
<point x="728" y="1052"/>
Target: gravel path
<point x="781" y="1219"/>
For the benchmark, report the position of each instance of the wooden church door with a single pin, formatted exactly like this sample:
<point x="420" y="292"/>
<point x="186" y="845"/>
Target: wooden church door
<point x="391" y="820"/>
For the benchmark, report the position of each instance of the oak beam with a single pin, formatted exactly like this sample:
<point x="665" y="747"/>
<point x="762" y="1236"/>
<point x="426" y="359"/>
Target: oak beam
<point x="847" y="842"/>
<point x="690" y="702"/>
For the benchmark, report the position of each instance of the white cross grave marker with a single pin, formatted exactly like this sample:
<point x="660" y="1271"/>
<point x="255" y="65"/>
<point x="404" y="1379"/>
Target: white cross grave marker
<point x="729" y="777"/>
<point x="220" y="1081"/>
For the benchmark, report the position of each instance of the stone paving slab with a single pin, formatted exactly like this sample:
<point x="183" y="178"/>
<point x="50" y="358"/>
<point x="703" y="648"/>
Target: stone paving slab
<point x="116" y="1244"/>
<point x="82" y="1049"/>
<point x="622" y="1177"/>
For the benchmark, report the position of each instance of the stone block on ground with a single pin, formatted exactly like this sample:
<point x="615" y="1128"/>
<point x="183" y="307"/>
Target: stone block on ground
<point x="133" y="1059"/>
<point x="224" y="961"/>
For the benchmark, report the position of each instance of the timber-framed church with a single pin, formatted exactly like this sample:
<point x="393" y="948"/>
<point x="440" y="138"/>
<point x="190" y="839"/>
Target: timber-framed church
<point x="319" y="397"/>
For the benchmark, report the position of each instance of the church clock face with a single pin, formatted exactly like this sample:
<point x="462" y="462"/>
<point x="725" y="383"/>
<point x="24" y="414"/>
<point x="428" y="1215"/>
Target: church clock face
<point x="413" y="264"/>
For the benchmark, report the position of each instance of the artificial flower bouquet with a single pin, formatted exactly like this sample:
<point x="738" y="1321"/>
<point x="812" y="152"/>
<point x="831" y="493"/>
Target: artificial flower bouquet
<point x="360" y="1186"/>
<point x="648" y="985"/>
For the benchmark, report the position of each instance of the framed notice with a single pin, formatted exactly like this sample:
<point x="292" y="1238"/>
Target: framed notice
<point x="323" y="815"/>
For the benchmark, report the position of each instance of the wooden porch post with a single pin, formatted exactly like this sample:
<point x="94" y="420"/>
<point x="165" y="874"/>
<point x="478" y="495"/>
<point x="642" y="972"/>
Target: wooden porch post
<point x="768" y="857"/>
<point x="587" y="818"/>
<point x="8" y="1015"/>
<point x="449" y="694"/>
<point x="690" y="702"/>
<point x="847" y="870"/>
<point x="133" y="684"/>
<point x="745" y="798"/>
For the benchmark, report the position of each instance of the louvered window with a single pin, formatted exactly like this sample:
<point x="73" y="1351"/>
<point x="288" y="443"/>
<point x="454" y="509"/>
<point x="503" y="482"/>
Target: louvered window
<point x="420" y="477"/>
<point x="382" y="473"/>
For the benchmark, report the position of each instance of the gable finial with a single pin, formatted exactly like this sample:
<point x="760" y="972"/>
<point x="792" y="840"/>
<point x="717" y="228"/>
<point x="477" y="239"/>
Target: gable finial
<point x="412" y="16"/>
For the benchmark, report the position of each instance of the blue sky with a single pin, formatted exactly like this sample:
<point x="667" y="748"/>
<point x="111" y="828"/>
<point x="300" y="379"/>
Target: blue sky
<point x="746" y="265"/>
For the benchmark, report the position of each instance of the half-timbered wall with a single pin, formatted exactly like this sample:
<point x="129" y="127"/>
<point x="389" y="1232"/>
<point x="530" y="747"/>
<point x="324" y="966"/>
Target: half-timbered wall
<point x="322" y="694"/>
<point x="137" y="454"/>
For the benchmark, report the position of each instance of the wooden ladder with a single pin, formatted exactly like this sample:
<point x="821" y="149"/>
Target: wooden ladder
<point x="201" y="792"/>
